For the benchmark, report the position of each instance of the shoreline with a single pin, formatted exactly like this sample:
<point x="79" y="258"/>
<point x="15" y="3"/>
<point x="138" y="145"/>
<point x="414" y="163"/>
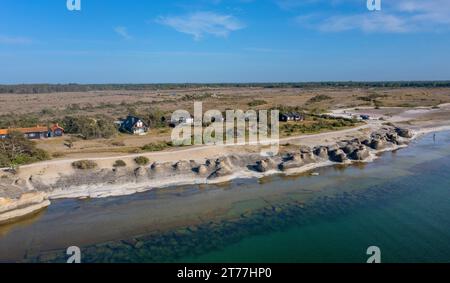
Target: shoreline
<point x="105" y="191"/>
<point x="146" y="179"/>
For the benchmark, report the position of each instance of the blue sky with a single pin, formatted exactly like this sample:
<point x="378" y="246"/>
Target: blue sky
<point x="136" y="41"/>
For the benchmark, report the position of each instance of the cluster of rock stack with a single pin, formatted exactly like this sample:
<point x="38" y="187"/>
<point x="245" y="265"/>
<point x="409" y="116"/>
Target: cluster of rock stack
<point x="355" y="150"/>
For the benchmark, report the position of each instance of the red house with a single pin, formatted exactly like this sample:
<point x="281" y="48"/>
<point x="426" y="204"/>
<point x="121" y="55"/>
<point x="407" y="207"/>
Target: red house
<point x="38" y="132"/>
<point x="56" y="131"/>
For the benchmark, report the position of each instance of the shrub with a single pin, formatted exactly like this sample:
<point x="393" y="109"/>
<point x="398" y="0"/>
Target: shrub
<point x="84" y="165"/>
<point x="319" y="98"/>
<point x="155" y="146"/>
<point x="255" y="103"/>
<point x="142" y="160"/>
<point x="154" y="117"/>
<point x="119" y="163"/>
<point x="90" y="127"/>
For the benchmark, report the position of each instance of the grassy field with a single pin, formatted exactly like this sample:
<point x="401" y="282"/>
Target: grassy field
<point x="119" y="103"/>
<point x="46" y="108"/>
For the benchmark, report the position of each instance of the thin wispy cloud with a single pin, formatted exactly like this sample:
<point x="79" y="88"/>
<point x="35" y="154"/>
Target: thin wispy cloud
<point x="425" y="13"/>
<point x="400" y="16"/>
<point x="13" y="40"/>
<point x="123" y="32"/>
<point x="203" y="23"/>
<point x="363" y="22"/>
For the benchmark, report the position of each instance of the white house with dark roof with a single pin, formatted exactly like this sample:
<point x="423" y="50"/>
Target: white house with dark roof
<point x="134" y="125"/>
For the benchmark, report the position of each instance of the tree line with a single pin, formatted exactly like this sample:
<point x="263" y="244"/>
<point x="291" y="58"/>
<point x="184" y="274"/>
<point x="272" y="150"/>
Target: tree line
<point x="51" y="88"/>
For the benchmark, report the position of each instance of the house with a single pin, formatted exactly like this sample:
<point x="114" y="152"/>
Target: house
<point x="38" y="132"/>
<point x="3" y="134"/>
<point x="291" y="116"/>
<point x="134" y="125"/>
<point x="56" y="131"/>
<point x="188" y="121"/>
<point x="181" y="120"/>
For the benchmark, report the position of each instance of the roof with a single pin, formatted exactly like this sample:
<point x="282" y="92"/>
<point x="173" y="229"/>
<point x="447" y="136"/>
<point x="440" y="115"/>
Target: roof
<point x="37" y="129"/>
<point x="130" y="122"/>
<point x="56" y="127"/>
<point x="291" y="114"/>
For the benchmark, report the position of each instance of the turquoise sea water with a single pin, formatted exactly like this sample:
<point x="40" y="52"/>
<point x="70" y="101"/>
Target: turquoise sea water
<point x="399" y="203"/>
<point x="407" y="217"/>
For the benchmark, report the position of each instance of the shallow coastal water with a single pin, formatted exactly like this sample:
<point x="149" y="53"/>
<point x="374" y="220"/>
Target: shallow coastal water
<point x="399" y="203"/>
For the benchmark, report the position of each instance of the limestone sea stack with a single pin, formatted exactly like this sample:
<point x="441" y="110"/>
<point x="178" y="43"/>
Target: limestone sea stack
<point x="338" y="155"/>
<point x="361" y="153"/>
<point x="265" y="165"/>
<point x="222" y="169"/>
<point x="202" y="170"/>
<point x="404" y="133"/>
<point x="321" y="152"/>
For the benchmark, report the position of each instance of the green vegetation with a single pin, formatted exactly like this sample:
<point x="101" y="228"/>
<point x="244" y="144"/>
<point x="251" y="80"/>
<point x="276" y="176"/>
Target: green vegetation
<point x="318" y="98"/>
<point x="198" y="97"/>
<point x="17" y="150"/>
<point x="315" y="124"/>
<point x="372" y="97"/>
<point x="119" y="163"/>
<point x="90" y="127"/>
<point x="255" y="103"/>
<point x="84" y="165"/>
<point x="156" y="146"/>
<point x="142" y="160"/>
<point x="153" y="117"/>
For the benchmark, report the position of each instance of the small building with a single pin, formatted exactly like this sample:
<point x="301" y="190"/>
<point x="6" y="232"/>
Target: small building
<point x="217" y="119"/>
<point x="3" y="134"/>
<point x="291" y="116"/>
<point x="188" y="121"/>
<point x="56" y="131"/>
<point x="133" y="125"/>
<point x="33" y="133"/>
<point x="175" y="121"/>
